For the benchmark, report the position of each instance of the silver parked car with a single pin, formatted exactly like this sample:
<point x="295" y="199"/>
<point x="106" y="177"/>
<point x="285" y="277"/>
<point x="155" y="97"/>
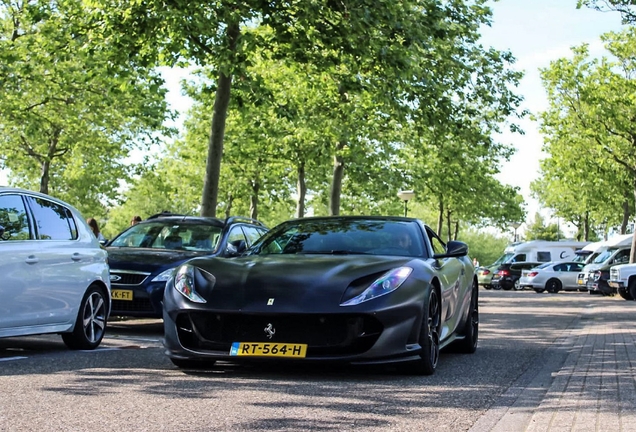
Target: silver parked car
<point x="54" y="273"/>
<point x="552" y="276"/>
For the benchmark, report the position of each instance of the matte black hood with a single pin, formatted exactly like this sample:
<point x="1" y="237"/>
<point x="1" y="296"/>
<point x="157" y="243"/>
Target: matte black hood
<point x="283" y="283"/>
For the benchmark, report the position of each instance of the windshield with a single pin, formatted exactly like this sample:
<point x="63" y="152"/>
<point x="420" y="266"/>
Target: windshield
<point x="604" y="256"/>
<point x="502" y="259"/>
<point x="170" y="235"/>
<point x="343" y="236"/>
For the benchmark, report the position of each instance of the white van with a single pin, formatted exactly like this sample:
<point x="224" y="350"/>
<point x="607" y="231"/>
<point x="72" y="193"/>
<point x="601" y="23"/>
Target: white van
<point x="542" y="251"/>
<point x="588" y="252"/>
<point x="595" y="274"/>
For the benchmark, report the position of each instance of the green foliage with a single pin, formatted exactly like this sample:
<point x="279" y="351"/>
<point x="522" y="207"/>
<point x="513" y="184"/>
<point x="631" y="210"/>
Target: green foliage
<point x="590" y="134"/>
<point x="539" y="230"/>
<point x="627" y="8"/>
<point x="486" y="247"/>
<point x="69" y="116"/>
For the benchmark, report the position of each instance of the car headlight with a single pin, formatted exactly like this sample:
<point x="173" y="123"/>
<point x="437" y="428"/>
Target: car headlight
<point x="388" y="282"/>
<point x="184" y="283"/>
<point x="164" y="275"/>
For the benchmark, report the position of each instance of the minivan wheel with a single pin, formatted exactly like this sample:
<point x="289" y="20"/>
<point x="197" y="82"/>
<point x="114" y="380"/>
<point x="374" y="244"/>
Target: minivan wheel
<point x="90" y="324"/>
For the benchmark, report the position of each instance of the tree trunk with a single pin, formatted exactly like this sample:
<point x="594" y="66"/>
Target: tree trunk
<point x="448" y="226"/>
<point x="228" y="207"/>
<point x="625" y="216"/>
<point x="209" y="199"/>
<point x="336" y="181"/>
<point x="456" y="233"/>
<point x="45" y="176"/>
<point x="256" y="186"/>
<point x="586" y="226"/>
<point x="301" y="189"/>
<point x="440" y="217"/>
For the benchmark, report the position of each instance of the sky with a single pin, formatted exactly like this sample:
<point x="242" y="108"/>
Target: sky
<point x="536" y="32"/>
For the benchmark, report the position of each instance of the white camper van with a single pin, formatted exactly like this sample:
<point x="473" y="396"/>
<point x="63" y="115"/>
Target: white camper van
<point x="588" y="252"/>
<point x="542" y="251"/>
<point x="595" y="274"/>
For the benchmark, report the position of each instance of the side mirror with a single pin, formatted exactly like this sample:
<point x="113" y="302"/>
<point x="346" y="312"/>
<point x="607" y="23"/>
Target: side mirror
<point x="454" y="249"/>
<point x="236" y="247"/>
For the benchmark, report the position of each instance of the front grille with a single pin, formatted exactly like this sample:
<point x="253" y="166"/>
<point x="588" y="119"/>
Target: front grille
<point x="137" y="305"/>
<point x="325" y="335"/>
<point x="120" y="277"/>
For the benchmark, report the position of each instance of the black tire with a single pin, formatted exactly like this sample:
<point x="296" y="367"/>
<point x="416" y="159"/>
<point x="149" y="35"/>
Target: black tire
<point x="488" y="287"/>
<point x="192" y="364"/>
<point x="624" y="293"/>
<point x="539" y="290"/>
<point x="429" y="335"/>
<point x="553" y="286"/>
<point x="470" y="331"/>
<point x="90" y="324"/>
<point x="631" y="288"/>
<point x="507" y="288"/>
<point x="496" y="287"/>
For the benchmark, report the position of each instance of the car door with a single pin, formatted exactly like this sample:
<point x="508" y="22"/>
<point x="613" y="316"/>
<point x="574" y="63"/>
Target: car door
<point x="60" y="258"/>
<point x="19" y="271"/>
<point x="451" y="273"/>
<point x="570" y="274"/>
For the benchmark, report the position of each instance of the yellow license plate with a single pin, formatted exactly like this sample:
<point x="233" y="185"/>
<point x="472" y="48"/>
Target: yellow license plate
<point x="122" y="295"/>
<point x="259" y="349"/>
<point x="580" y="281"/>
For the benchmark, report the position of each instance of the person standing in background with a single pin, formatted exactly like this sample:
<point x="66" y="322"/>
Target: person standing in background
<point x="95" y="228"/>
<point x="135" y="220"/>
<point x="475" y="262"/>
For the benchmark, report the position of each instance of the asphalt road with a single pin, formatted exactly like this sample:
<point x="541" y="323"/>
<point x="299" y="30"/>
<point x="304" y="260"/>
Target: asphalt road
<point x="129" y="385"/>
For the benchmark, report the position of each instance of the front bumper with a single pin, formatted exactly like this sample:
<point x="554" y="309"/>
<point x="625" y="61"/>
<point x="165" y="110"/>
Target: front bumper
<point x="346" y="334"/>
<point x="146" y="300"/>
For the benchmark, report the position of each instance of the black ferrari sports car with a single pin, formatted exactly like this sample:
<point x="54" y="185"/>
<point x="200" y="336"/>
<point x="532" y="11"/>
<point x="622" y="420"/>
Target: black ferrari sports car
<point x="354" y="289"/>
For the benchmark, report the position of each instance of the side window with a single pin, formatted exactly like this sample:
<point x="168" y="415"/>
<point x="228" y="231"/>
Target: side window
<point x="251" y="233"/>
<point x="53" y="221"/>
<point x="622" y="256"/>
<point x="561" y="267"/>
<point x="13" y="218"/>
<point x="543" y="257"/>
<point x="519" y="258"/>
<point x="438" y="246"/>
<point x="236" y="233"/>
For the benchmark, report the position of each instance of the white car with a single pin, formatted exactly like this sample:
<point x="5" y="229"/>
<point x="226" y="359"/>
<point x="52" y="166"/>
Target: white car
<point x="54" y="275"/>
<point x="552" y="276"/>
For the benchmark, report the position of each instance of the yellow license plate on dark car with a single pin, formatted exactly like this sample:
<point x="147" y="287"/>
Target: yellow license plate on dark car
<point x="122" y="295"/>
<point x="260" y="349"/>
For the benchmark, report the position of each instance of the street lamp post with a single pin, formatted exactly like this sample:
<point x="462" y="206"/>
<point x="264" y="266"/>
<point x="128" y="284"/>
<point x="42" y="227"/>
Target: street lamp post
<point x="406" y="196"/>
<point x="515" y="226"/>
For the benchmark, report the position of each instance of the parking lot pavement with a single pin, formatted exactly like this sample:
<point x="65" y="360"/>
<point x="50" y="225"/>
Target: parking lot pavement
<point x="586" y="381"/>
